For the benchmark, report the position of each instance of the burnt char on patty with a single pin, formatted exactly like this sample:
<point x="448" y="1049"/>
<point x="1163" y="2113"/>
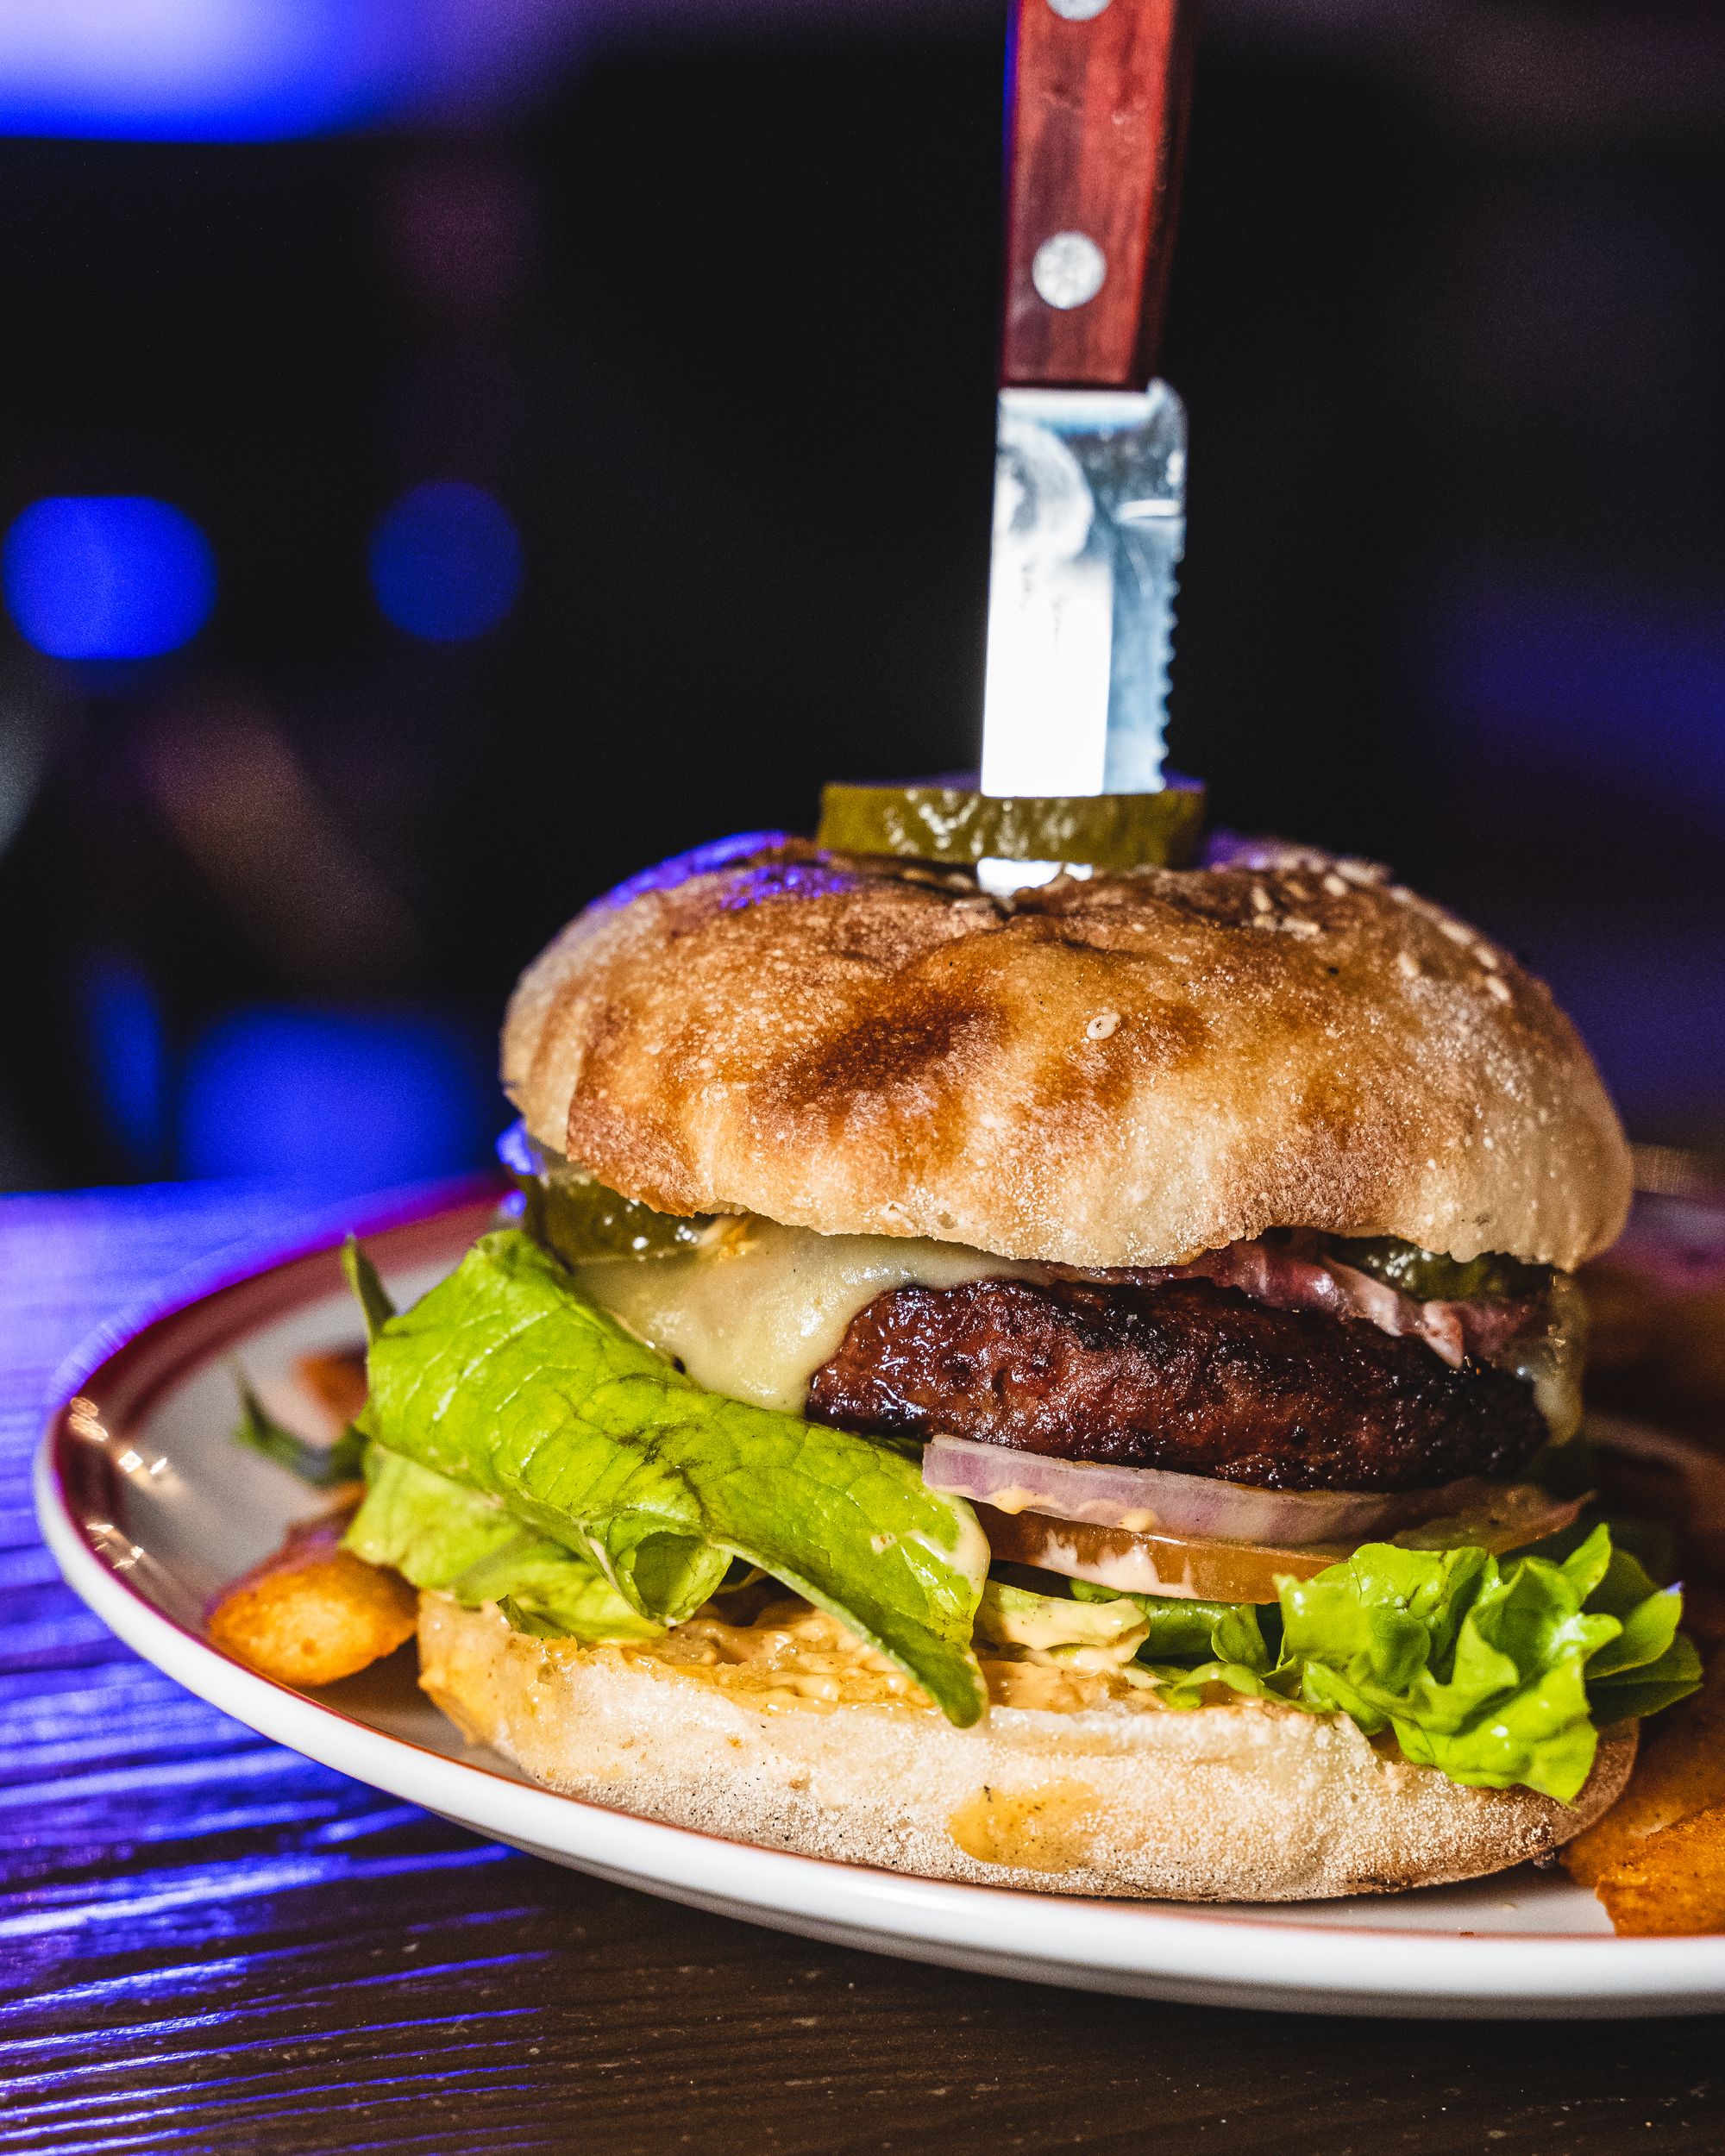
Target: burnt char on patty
<point x="1187" y="1374"/>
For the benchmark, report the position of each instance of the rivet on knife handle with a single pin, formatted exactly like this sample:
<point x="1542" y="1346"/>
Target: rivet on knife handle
<point x="1098" y="108"/>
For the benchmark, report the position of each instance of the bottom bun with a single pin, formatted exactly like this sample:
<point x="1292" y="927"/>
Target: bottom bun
<point x="1238" y="1803"/>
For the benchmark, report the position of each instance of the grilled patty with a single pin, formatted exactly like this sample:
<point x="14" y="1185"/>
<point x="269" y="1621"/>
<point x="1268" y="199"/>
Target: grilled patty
<point x="1187" y="1374"/>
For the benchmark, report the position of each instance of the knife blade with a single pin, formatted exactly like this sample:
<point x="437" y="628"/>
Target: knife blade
<point x="1090" y="464"/>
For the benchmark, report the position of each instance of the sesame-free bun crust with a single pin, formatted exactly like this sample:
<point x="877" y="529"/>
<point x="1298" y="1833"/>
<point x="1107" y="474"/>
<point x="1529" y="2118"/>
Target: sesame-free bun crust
<point x="1117" y="1072"/>
<point x="1241" y="1803"/>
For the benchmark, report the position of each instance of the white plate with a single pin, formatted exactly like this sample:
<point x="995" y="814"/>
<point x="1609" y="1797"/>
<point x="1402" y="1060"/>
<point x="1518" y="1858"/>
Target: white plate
<point x="150" y="1507"/>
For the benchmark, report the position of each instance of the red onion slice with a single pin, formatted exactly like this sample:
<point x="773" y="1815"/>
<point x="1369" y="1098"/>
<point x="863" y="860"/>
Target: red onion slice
<point x="1152" y="1499"/>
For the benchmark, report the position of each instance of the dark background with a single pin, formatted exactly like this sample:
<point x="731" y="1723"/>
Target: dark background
<point x="711" y="312"/>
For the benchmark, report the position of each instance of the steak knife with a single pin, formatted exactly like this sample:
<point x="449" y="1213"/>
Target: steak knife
<point x="1090" y="461"/>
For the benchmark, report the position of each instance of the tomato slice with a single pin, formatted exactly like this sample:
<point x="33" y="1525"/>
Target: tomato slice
<point x="1209" y="1569"/>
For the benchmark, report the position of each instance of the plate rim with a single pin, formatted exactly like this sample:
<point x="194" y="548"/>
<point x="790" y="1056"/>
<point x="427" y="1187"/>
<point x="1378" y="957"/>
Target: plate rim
<point x="1263" y="1961"/>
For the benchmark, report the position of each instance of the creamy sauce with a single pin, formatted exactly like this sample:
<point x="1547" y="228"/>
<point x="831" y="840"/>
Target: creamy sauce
<point x="1059" y="1689"/>
<point x="756" y="1312"/>
<point x="794" y="1659"/>
<point x="791" y="1656"/>
<point x="1093" y="1635"/>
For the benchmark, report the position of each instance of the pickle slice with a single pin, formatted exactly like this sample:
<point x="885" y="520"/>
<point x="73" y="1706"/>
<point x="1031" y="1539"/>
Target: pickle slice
<point x="952" y="823"/>
<point x="579" y="1219"/>
<point x="1430" y="1276"/>
<point x="576" y="1216"/>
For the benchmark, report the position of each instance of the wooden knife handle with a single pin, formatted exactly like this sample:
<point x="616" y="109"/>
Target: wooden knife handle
<point x="1096" y="100"/>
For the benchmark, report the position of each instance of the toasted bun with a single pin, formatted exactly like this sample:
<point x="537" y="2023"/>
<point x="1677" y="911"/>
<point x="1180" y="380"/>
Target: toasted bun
<point x="1117" y="1072"/>
<point x="1244" y="1802"/>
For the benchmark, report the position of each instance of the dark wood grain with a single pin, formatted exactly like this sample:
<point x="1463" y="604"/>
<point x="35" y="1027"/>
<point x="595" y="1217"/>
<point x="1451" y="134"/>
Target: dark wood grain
<point x="1096" y="118"/>
<point x="209" y="1944"/>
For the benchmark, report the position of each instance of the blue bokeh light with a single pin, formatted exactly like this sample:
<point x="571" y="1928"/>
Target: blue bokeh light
<point x="445" y="561"/>
<point x="107" y="576"/>
<point x="259" y="70"/>
<point x="338" y="1100"/>
<point x="1620" y="694"/>
<point x="181" y="67"/>
<point x="127" y="1041"/>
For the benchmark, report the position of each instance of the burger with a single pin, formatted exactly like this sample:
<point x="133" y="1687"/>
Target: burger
<point x="1066" y="1391"/>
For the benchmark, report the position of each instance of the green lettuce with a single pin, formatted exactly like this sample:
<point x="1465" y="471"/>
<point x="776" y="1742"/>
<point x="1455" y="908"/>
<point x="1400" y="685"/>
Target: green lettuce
<point x="324" y="1466"/>
<point x="436" y="1535"/>
<point x="1191" y="1644"/>
<point x="428" y="1528"/>
<point x="1497" y="1672"/>
<point x="1649" y="1664"/>
<point x="508" y="1383"/>
<point x="366" y="1285"/>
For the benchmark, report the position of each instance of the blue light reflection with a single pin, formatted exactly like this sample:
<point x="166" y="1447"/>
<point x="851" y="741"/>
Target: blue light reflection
<point x="343" y="1100"/>
<point x="107" y="576"/>
<point x="256" y="70"/>
<point x="446" y="561"/>
<point x="1625" y="695"/>
<point x="128" y="1052"/>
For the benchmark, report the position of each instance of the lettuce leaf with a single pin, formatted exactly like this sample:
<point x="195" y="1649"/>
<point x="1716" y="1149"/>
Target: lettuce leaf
<point x="426" y="1528"/>
<point x="1191" y="1644"/>
<point x="1649" y="1664"/>
<point x="366" y="1285"/>
<point x="506" y="1381"/>
<point x="322" y="1466"/>
<point x="1497" y="1673"/>
<point x="1476" y="1672"/>
<point x="436" y="1535"/>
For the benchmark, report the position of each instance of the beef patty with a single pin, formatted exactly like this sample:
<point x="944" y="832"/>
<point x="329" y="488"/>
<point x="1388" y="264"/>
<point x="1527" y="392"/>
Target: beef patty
<point x="1186" y="1374"/>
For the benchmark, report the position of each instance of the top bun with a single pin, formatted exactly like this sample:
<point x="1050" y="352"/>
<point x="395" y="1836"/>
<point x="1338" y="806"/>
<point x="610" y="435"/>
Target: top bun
<point x="1122" y="1070"/>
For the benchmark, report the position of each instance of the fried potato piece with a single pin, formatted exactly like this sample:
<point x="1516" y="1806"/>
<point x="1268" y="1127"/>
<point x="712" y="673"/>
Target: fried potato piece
<point x="314" y="1612"/>
<point x="337" y="1381"/>
<point x="1674" y="1886"/>
<point x="1680" y="1770"/>
<point x="1657" y="1858"/>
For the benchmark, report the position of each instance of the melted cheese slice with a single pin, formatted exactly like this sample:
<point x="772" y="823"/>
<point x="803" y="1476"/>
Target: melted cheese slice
<point x="757" y="1310"/>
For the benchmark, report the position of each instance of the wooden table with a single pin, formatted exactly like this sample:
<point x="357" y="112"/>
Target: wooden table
<point x="207" y="1943"/>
